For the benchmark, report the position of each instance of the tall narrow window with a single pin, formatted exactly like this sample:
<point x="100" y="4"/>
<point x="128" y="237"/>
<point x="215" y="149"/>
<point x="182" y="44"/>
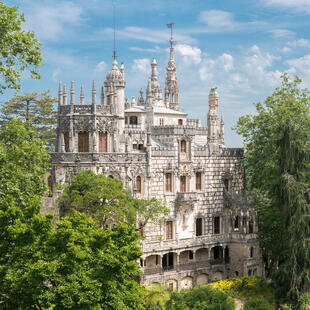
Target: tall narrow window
<point x="138" y="185"/>
<point x="183" y="184"/>
<point x="161" y="122"/>
<point x="66" y="138"/>
<point x="236" y="223"/>
<point x="198" y="181"/>
<point x="216" y="225"/>
<point x="190" y="255"/>
<point x="226" y="184"/>
<point x="251" y="226"/>
<point x="169" y="182"/>
<point x="183" y="146"/>
<point x="169" y="230"/>
<point x="83" y="141"/>
<point x="103" y="142"/>
<point x="251" y="252"/>
<point x="199" y="226"/>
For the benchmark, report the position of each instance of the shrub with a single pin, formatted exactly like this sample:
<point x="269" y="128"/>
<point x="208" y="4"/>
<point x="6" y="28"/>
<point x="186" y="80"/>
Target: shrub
<point x="257" y="303"/>
<point x="200" y="298"/>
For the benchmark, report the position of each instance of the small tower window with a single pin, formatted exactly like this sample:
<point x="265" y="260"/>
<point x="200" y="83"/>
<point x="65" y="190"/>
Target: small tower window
<point x="251" y="252"/>
<point x="226" y="184"/>
<point x="183" y="184"/>
<point x="199" y="226"/>
<point x="216" y="225"/>
<point x="133" y="120"/>
<point x="66" y="138"/>
<point x="180" y="122"/>
<point x="138" y="185"/>
<point x="169" y="230"/>
<point x="198" y="181"/>
<point x="251" y="226"/>
<point x="169" y="182"/>
<point x="183" y="146"/>
<point x="103" y="142"/>
<point x="83" y="142"/>
<point x="236" y="223"/>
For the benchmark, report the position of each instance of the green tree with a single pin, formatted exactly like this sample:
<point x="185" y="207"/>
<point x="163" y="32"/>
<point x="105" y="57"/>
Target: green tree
<point x="202" y="297"/>
<point x="277" y="141"/>
<point x="157" y="296"/>
<point x="257" y="303"/>
<point x="36" y="110"/>
<point x="107" y="202"/>
<point x="19" y="49"/>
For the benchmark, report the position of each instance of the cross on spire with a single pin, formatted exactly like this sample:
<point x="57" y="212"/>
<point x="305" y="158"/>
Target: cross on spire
<point x="171" y="37"/>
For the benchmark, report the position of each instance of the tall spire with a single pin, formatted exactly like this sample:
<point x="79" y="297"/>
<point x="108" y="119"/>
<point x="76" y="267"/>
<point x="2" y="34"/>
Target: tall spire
<point x="171" y="87"/>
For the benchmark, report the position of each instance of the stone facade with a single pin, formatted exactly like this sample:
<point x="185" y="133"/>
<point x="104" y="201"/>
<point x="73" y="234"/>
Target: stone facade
<point x="152" y="146"/>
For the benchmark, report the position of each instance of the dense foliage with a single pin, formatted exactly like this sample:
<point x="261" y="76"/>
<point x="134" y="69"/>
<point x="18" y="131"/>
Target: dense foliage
<point x="19" y="49"/>
<point x="107" y="202"/>
<point x="157" y="297"/>
<point x="201" y="297"/>
<point x="277" y="143"/>
<point x="257" y="303"/>
<point x="73" y="265"/>
<point x="36" y="110"/>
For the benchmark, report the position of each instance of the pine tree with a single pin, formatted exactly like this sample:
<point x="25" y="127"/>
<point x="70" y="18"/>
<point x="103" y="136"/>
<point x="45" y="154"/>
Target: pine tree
<point x="36" y="109"/>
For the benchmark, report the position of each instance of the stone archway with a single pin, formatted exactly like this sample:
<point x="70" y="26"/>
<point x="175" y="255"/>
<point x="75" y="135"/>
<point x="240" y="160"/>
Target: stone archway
<point x="202" y="279"/>
<point x="186" y="283"/>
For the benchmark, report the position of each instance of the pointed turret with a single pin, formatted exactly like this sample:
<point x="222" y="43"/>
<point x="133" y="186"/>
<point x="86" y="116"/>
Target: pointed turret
<point x="102" y="96"/>
<point x="221" y="136"/>
<point x="149" y="95"/>
<point x="141" y="99"/>
<point x="72" y="94"/>
<point x="60" y="95"/>
<point x="93" y="94"/>
<point x="82" y="98"/>
<point x="171" y="85"/>
<point x="212" y="119"/>
<point x="65" y="98"/>
<point x="133" y="101"/>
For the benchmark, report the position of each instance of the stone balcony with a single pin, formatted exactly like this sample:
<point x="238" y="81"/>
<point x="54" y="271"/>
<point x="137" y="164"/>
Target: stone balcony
<point x="187" y="197"/>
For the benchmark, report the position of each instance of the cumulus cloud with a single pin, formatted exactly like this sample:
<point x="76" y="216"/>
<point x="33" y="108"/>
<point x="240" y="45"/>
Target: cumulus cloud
<point x="300" y="66"/>
<point x="189" y="53"/>
<point x="297" y="5"/>
<point x="51" y="22"/>
<point x="299" y="43"/>
<point x="142" y="65"/>
<point x="100" y="67"/>
<point x="217" y="19"/>
<point x="281" y="33"/>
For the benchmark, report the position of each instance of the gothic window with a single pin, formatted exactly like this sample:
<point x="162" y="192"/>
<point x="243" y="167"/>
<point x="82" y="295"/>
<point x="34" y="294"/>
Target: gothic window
<point x="83" y="142"/>
<point x="226" y="184"/>
<point x="251" y="252"/>
<point x="236" y="223"/>
<point x="251" y="226"/>
<point x="133" y="120"/>
<point x="169" y="182"/>
<point x="66" y="138"/>
<point x="183" y="184"/>
<point x="183" y="146"/>
<point x="199" y="226"/>
<point x="198" y="181"/>
<point x="50" y="185"/>
<point x="180" y="122"/>
<point x="169" y="230"/>
<point x="103" y="142"/>
<point x="138" y="185"/>
<point x="140" y="147"/>
<point x="216" y="225"/>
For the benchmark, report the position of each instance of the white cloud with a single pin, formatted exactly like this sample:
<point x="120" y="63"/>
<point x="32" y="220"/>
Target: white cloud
<point x="217" y="19"/>
<point x="52" y="22"/>
<point x="297" y="5"/>
<point x="100" y="67"/>
<point x="299" y="43"/>
<point x="55" y="74"/>
<point x="156" y="49"/>
<point x="300" y="65"/>
<point x="281" y="33"/>
<point x="142" y="65"/>
<point x="189" y="54"/>
<point x="148" y="35"/>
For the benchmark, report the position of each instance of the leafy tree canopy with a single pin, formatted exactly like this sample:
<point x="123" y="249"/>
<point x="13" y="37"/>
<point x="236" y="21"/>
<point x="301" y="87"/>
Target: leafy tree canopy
<point x="19" y="49"/>
<point x="277" y="141"/>
<point x="107" y="202"/>
<point x="36" y="110"/>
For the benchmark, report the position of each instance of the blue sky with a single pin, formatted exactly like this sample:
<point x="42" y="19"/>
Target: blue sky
<point x="240" y="46"/>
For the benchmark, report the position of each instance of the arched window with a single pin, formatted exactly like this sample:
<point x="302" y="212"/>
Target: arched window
<point x="183" y="184"/>
<point x="251" y="252"/>
<point x="183" y="146"/>
<point x="236" y="223"/>
<point x="251" y="226"/>
<point x="138" y="185"/>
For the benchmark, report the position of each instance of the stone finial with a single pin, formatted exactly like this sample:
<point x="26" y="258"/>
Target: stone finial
<point x="133" y="101"/>
<point x="122" y="68"/>
<point x="149" y="88"/>
<point x="126" y="103"/>
<point x="102" y="96"/>
<point x="82" y="98"/>
<point x="93" y="98"/>
<point x="72" y="93"/>
<point x="60" y="94"/>
<point x="154" y="69"/>
<point x="141" y="99"/>
<point x="65" y="95"/>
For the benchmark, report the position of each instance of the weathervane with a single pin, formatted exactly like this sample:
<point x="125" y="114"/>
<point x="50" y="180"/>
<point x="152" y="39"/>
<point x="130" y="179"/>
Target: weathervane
<point x="171" y="38"/>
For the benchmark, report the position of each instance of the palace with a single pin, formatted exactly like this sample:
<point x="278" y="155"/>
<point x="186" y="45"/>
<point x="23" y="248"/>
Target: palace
<point x="157" y="151"/>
